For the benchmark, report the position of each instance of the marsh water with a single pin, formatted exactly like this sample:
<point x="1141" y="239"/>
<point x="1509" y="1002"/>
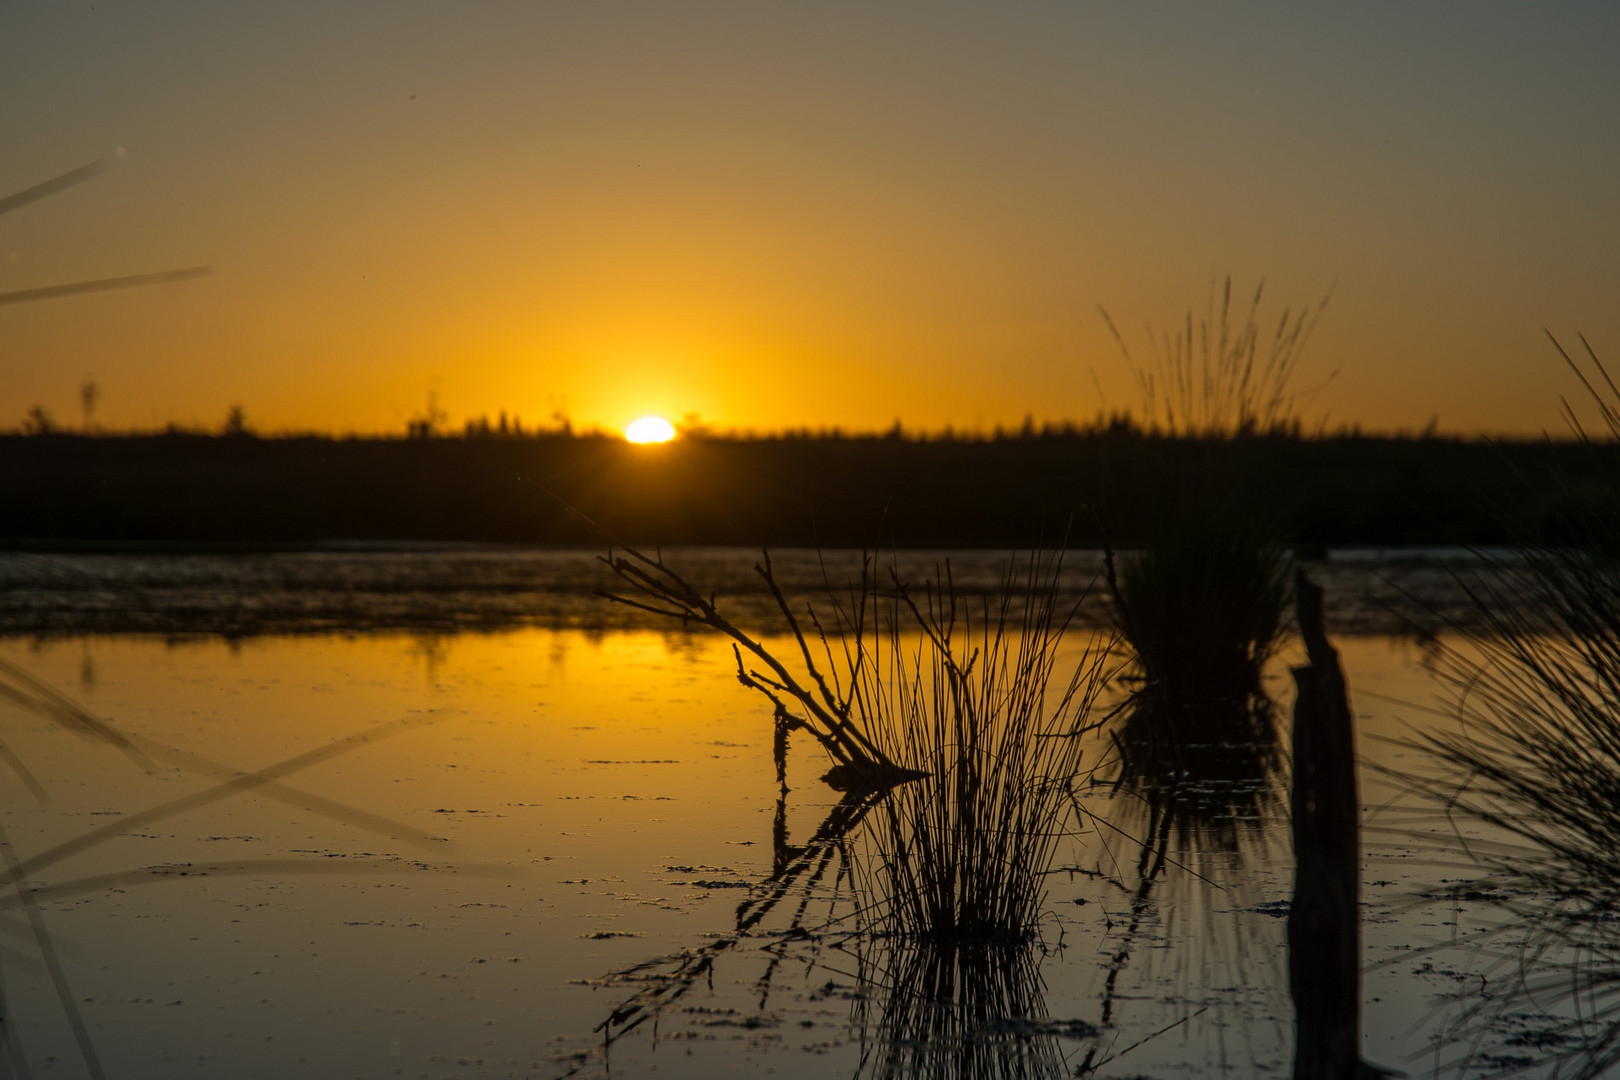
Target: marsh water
<point x="461" y="818"/>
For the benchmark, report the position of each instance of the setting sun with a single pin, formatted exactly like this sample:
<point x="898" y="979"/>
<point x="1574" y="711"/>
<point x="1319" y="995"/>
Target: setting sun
<point x="650" y="429"/>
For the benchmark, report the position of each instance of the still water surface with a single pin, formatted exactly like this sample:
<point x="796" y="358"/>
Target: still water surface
<point x="553" y="834"/>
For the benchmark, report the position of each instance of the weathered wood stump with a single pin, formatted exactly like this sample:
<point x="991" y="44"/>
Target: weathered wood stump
<point x="1324" y="921"/>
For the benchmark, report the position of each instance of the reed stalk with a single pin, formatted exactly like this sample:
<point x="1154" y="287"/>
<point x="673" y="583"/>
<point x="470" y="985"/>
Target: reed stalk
<point x="1534" y="756"/>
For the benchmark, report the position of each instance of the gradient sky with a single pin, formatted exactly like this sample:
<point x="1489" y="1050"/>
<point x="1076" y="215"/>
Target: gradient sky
<point x="778" y="214"/>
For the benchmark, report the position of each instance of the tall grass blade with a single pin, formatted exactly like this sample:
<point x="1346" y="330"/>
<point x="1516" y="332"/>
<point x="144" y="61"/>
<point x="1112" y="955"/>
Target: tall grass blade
<point x="71" y="178"/>
<point x="1534" y="757"/>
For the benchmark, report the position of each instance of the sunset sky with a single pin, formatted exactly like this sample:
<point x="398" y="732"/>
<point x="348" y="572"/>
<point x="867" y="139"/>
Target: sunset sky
<point x="775" y="214"/>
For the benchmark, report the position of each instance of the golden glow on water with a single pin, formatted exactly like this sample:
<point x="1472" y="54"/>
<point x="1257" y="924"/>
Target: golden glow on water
<point x="546" y="767"/>
<point x="563" y="802"/>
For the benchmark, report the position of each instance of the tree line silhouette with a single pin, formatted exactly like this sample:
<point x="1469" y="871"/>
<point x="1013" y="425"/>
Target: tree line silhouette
<point x="794" y="489"/>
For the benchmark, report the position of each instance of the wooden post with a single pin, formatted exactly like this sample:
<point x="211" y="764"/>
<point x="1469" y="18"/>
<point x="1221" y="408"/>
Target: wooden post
<point x="1324" y="921"/>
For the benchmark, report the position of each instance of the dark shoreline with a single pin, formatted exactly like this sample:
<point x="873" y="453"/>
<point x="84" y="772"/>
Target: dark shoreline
<point x="219" y="493"/>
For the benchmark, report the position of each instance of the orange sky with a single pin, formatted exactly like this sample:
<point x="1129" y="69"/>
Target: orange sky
<point x="775" y="215"/>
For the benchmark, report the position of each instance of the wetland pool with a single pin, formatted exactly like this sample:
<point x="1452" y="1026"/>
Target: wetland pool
<point x="552" y="850"/>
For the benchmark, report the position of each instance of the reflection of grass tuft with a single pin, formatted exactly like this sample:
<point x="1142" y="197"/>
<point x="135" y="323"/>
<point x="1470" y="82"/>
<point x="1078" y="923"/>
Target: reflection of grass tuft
<point x="947" y="1013"/>
<point x="1196" y="743"/>
<point x="981" y="704"/>
<point x="1202" y="610"/>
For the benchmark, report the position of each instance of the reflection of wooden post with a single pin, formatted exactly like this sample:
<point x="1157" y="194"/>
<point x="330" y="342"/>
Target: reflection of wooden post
<point x="1324" y="922"/>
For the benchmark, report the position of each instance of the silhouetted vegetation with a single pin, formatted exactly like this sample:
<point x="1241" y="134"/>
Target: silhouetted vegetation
<point x="809" y="693"/>
<point x="982" y="712"/>
<point x="1535" y="754"/>
<point x="1211" y="379"/>
<point x="196" y="488"/>
<point x="1200" y="606"/>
